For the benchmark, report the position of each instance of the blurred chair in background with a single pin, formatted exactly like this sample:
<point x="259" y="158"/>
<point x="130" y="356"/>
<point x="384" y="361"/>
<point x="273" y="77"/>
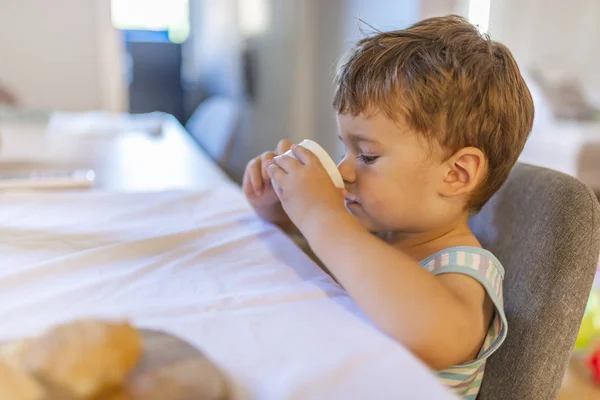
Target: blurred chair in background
<point x="566" y="96"/>
<point x="214" y="124"/>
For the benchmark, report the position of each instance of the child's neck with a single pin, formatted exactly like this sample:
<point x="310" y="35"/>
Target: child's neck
<point x="421" y="245"/>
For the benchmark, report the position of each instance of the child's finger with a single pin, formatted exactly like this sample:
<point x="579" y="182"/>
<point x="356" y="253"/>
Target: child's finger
<point x="247" y="185"/>
<point x="286" y="163"/>
<point x="256" y="177"/>
<point x="304" y="155"/>
<point x="276" y="173"/>
<point x="283" y="146"/>
<point x="264" y="161"/>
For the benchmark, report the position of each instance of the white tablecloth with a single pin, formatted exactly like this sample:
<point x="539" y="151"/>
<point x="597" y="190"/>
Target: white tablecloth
<point x="203" y="267"/>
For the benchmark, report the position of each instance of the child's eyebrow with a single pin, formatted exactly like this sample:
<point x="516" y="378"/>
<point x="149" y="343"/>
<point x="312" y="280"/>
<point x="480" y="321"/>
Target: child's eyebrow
<point x="357" y="138"/>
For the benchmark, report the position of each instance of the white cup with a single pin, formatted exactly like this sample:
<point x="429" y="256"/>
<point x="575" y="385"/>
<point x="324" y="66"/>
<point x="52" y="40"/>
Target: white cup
<point x="325" y="159"/>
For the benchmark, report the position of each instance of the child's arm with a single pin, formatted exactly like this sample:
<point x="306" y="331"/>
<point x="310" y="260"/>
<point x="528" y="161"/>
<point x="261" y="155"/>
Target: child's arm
<point x="442" y="319"/>
<point x="276" y="215"/>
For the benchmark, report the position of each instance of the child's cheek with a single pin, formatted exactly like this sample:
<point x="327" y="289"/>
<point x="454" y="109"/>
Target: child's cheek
<point x="375" y="201"/>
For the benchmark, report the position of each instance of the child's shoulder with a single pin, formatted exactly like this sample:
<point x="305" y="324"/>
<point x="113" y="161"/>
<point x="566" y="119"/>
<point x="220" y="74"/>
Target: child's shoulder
<point x="471" y="257"/>
<point x="475" y="262"/>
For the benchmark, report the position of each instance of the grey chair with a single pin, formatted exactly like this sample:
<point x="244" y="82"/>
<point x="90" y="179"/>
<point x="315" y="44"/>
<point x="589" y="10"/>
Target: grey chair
<point x="544" y="227"/>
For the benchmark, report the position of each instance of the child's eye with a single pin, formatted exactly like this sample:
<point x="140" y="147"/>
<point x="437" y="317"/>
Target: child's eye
<point x="367" y="159"/>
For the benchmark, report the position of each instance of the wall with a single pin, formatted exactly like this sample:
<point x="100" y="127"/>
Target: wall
<point x="552" y="34"/>
<point x="435" y="8"/>
<point x="383" y="15"/>
<point x="277" y="106"/>
<point x="212" y="53"/>
<point x="62" y="54"/>
<point x="213" y="64"/>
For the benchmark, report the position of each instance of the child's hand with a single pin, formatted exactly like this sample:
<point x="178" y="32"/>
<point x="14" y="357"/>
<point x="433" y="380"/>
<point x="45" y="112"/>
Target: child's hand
<point x="304" y="187"/>
<point x="257" y="184"/>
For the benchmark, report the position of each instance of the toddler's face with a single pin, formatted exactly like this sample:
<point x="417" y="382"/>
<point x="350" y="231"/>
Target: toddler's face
<point x="391" y="175"/>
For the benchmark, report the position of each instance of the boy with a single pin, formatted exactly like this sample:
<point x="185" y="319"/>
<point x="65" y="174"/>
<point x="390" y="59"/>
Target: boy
<point x="433" y="118"/>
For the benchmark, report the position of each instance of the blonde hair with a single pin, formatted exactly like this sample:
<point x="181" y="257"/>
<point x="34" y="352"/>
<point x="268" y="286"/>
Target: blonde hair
<point x="450" y="83"/>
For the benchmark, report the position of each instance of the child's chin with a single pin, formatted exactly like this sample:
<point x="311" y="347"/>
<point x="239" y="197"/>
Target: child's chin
<point x="366" y="222"/>
<point x="362" y="217"/>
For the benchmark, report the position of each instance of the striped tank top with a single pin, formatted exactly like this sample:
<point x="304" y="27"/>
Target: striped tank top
<point x="465" y="380"/>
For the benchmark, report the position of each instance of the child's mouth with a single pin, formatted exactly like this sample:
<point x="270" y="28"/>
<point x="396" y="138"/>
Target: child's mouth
<point x="350" y="201"/>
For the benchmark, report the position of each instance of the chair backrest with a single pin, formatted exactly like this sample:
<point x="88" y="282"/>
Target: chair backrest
<point x="544" y="227"/>
<point x="214" y="124"/>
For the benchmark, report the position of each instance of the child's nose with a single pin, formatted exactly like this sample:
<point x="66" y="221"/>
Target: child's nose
<point x="346" y="169"/>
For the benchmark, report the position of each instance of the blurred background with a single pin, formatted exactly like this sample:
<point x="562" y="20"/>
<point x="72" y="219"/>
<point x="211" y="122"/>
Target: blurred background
<point x="268" y="65"/>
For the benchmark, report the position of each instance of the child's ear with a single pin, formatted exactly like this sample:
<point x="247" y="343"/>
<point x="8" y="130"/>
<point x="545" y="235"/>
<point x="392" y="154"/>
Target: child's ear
<point x="463" y="172"/>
